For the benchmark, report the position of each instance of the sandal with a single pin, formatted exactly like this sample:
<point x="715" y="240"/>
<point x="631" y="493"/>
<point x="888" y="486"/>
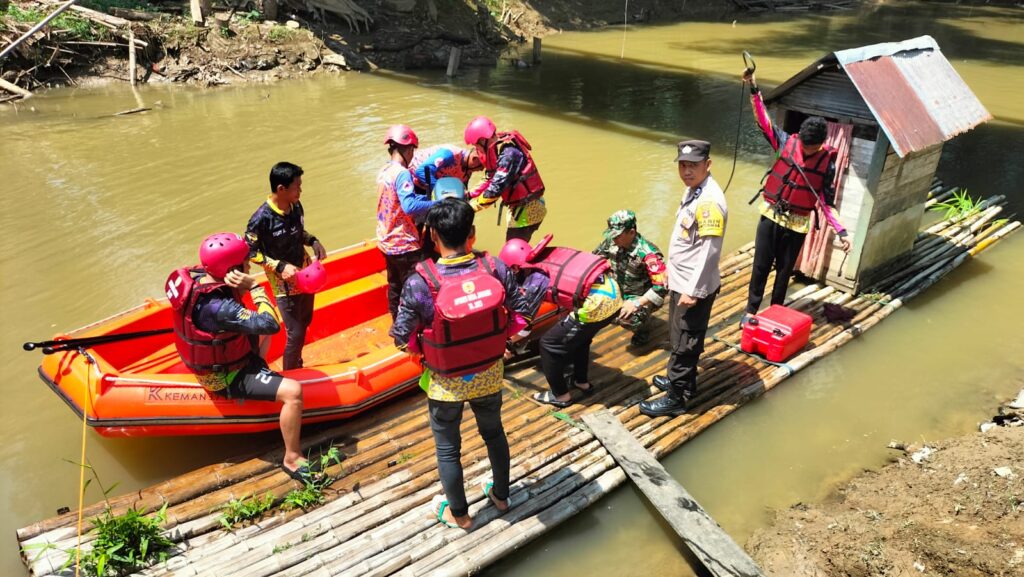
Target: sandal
<point x="585" y="392"/>
<point x="548" y="398"/>
<point x="437" y="506"/>
<point x="303" y="474"/>
<point x="487" y="487"/>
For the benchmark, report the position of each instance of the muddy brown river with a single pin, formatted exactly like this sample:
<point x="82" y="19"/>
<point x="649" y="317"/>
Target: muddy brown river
<point x="100" y="208"/>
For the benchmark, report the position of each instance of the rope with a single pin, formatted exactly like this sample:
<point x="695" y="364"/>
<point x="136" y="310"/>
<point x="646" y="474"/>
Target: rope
<point x="736" y="140"/>
<point x="789" y="370"/>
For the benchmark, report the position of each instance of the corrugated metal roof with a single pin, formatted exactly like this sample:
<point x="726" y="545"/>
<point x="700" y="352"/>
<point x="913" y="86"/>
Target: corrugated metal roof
<point x="910" y="88"/>
<point x="829" y="93"/>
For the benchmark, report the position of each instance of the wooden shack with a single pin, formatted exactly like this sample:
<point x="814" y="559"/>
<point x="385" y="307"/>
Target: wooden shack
<point x="891" y="107"/>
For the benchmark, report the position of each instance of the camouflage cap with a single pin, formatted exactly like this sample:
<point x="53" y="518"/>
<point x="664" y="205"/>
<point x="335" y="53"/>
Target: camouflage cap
<point x="620" y="222"/>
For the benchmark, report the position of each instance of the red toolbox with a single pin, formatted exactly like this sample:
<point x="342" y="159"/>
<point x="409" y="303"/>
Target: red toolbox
<point x="777" y="333"/>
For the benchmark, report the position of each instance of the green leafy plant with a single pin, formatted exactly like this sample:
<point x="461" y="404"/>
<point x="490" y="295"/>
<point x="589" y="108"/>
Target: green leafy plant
<point x="247" y="18"/>
<point x="68" y="23"/>
<point x="126" y="543"/>
<point x="312" y="492"/>
<point x="961" y="205"/>
<point x="241" y="510"/>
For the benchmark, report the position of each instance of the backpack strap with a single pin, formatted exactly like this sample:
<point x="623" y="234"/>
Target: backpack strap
<point x="428" y="270"/>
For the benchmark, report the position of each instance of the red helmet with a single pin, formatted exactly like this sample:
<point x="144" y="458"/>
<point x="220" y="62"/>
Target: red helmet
<point x="514" y="252"/>
<point x="479" y="127"/>
<point x="222" y="252"/>
<point x="401" y="134"/>
<point x="312" y="278"/>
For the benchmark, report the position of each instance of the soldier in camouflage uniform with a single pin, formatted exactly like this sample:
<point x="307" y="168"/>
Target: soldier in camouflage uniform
<point x="639" y="268"/>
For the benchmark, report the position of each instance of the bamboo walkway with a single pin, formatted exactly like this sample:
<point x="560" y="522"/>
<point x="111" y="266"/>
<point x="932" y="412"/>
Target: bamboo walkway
<point x="376" y="521"/>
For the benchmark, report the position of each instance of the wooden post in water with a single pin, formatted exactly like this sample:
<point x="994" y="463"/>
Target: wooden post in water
<point x="131" y="56"/>
<point x="536" y="50"/>
<point x="454" y="57"/>
<point x="705" y="539"/>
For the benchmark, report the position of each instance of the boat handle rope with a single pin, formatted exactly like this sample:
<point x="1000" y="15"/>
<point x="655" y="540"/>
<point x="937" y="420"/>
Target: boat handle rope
<point x="789" y="370"/>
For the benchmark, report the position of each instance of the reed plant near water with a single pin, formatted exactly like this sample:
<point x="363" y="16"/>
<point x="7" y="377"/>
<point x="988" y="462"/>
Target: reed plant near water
<point x="311" y="494"/>
<point x="243" y="510"/>
<point x="959" y="206"/>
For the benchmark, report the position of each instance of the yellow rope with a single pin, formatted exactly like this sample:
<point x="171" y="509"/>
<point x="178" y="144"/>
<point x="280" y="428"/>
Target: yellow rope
<point x="81" y="464"/>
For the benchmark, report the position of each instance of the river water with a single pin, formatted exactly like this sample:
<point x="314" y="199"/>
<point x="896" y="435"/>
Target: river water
<point x="102" y="207"/>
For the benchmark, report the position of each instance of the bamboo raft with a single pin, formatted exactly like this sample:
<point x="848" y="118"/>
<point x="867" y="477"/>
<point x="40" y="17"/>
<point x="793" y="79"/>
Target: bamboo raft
<point x="377" y="522"/>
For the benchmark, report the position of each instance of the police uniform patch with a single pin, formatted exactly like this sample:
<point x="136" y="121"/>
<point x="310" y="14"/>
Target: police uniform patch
<point x="710" y="220"/>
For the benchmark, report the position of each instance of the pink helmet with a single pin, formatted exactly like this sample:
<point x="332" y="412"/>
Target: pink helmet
<point x="401" y="134"/>
<point x="514" y="252"/>
<point x="222" y="252"/>
<point x="312" y="278"/>
<point x="479" y="127"/>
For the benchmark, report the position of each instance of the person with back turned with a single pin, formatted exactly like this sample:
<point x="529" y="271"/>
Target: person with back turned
<point x="693" y="277"/>
<point x="801" y="179"/>
<point x="217" y="337"/>
<point x="455" y="312"/>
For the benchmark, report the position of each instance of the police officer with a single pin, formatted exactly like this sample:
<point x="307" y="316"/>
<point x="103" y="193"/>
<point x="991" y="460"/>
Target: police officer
<point x="693" y="277"/>
<point x="639" y="268"/>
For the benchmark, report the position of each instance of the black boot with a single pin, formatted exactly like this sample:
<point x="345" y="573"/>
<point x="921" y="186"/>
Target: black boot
<point x="669" y="405"/>
<point x="662" y="382"/>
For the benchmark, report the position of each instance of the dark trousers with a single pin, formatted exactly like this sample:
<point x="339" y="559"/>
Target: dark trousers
<point x="568" y="342"/>
<point x="297" y="313"/>
<point x="399" y="267"/>
<point x="525" y="233"/>
<point x="687" y="327"/>
<point x="773" y="245"/>
<point x="445" y="420"/>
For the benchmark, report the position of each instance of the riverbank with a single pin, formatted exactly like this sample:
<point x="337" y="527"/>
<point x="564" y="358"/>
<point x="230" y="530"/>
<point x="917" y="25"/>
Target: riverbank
<point x="90" y="43"/>
<point x="953" y="507"/>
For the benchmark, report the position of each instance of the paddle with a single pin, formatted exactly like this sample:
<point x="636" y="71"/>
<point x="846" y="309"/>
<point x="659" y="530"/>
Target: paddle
<point x="55" y="346"/>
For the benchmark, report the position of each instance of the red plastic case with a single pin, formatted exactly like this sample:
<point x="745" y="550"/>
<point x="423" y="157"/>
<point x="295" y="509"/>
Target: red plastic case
<point x="777" y="333"/>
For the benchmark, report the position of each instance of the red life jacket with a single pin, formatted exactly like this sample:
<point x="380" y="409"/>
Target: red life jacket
<point x="468" y="331"/>
<point x="785" y="183"/>
<point x="529" y="185"/>
<point x="571" y="271"/>
<point x="201" y="351"/>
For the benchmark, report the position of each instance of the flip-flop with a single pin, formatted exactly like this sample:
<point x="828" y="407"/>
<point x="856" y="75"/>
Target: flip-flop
<point x="437" y="506"/>
<point x="549" y="399"/>
<point x="302" y="474"/>
<point x="487" y="493"/>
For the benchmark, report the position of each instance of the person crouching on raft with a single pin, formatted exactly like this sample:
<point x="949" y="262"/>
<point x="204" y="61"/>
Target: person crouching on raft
<point x="802" y="178"/>
<point x="277" y="235"/>
<point x="216" y="336"/>
<point x="584" y="286"/>
<point x="455" y="313"/>
<point x="512" y="177"/>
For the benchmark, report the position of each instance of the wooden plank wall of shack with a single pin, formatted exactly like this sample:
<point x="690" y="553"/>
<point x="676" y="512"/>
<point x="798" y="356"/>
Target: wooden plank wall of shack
<point x="376" y="520"/>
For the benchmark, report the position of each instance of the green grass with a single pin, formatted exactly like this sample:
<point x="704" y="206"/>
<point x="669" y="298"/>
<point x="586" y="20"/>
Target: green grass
<point x="243" y="510"/>
<point x="126" y="543"/>
<point x="960" y="206"/>
<point x="68" y="23"/>
<point x="250" y="17"/>
<point x="106" y="5"/>
<point x="280" y="34"/>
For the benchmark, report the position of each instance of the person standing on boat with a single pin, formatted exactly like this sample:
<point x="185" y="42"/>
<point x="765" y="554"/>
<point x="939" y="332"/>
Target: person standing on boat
<point x="583" y="285"/>
<point x="456" y="312"/>
<point x="693" y="277"/>
<point x="277" y="236"/>
<point x="512" y="177"/>
<point x="399" y="210"/>
<point x="217" y="336"/>
<point x="801" y="179"/>
<point x="639" y="268"/>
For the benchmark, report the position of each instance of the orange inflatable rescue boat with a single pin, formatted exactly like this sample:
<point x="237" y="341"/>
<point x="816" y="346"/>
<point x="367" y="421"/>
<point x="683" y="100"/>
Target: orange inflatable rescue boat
<point x="139" y="386"/>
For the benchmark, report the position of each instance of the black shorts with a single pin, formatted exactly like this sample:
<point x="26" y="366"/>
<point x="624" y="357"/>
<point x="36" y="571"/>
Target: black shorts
<point x="255" y="381"/>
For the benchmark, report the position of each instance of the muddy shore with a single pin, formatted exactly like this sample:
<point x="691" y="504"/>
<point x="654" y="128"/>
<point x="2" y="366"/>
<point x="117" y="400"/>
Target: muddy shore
<point x="952" y="508"/>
